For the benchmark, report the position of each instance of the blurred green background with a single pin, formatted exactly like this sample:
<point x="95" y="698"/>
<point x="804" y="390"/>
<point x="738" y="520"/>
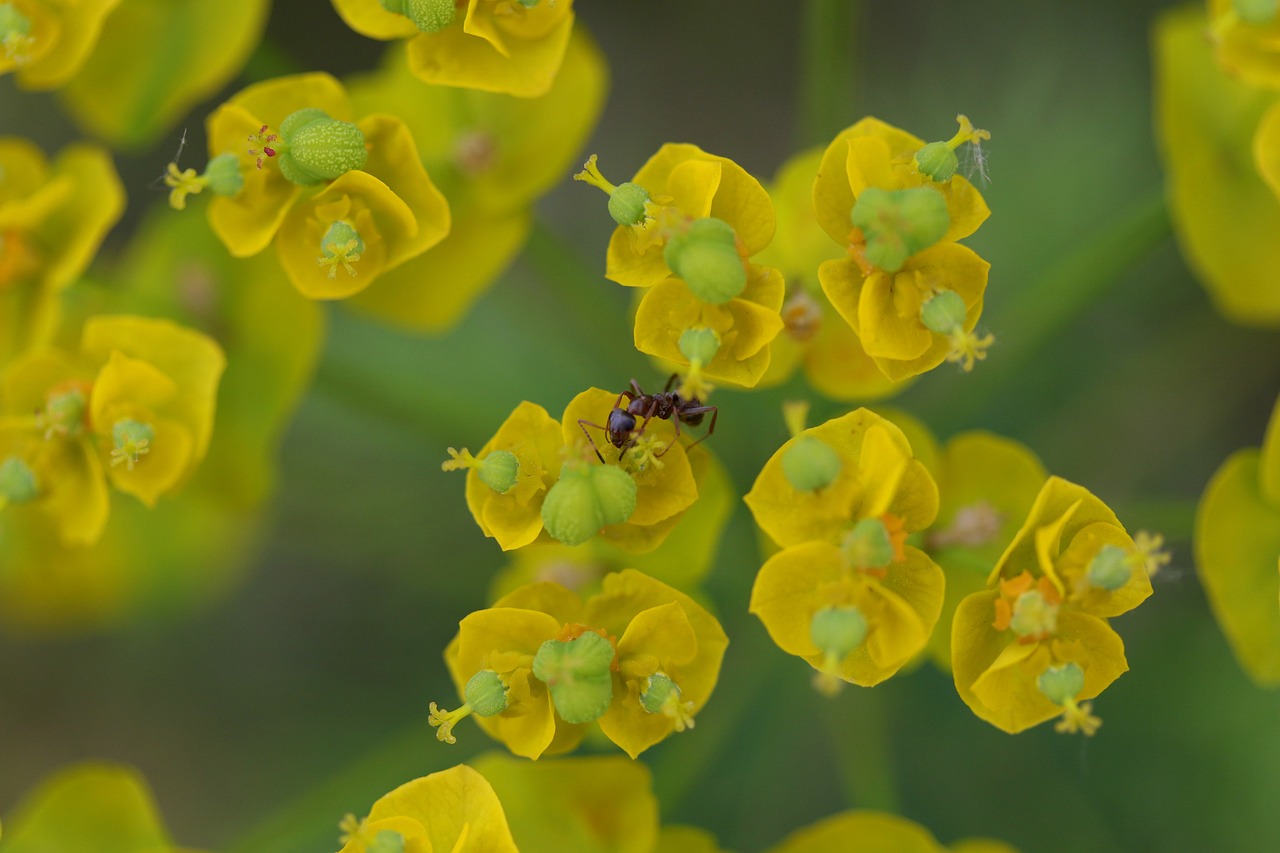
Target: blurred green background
<point x="262" y="717"/>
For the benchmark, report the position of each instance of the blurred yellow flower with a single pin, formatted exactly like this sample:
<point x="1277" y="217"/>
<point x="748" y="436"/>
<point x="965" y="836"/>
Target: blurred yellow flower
<point x="876" y="832"/>
<point x="45" y="42"/>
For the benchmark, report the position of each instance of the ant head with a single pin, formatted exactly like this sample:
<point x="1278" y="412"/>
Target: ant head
<point x="620" y="426"/>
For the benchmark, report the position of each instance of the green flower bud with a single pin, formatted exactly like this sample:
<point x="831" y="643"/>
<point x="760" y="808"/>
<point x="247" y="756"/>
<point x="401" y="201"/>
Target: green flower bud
<point x="899" y="223"/>
<point x="1110" y="568"/>
<point x="386" y="841"/>
<point x="1256" y="12"/>
<point x="944" y="312"/>
<point x="429" y="16"/>
<point x="706" y="258"/>
<point x="318" y="148"/>
<point x="838" y="630"/>
<point x="1061" y="684"/>
<point x="64" y="412"/>
<point x="699" y="344"/>
<point x="811" y="464"/>
<point x="15" y="29"/>
<point x="17" y="481"/>
<point x="657" y="691"/>
<point x="579" y="675"/>
<point x="868" y="545"/>
<point x="627" y="203"/>
<point x="581" y="502"/>
<point x="223" y="173"/>
<point x="937" y="161"/>
<point x="486" y="694"/>
<point x="498" y="471"/>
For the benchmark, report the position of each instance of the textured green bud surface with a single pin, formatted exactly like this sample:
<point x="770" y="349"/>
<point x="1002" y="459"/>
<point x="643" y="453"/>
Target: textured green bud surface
<point x="486" y="694"/>
<point x="1256" y="11"/>
<point x="1061" y="684"/>
<point x="1110" y="568"/>
<point x="810" y="464"/>
<point x="318" y="148"/>
<point x="899" y="223"/>
<point x="581" y="502"/>
<point x="658" y="689"/>
<point x="706" y="258"/>
<point x="937" y="161"/>
<point x="943" y="312"/>
<point x="578" y="673"/>
<point x="224" y="174"/>
<point x="867" y="545"/>
<point x="626" y="203"/>
<point x="430" y="16"/>
<point x="700" y="345"/>
<point x="17" y="481"/>
<point x="498" y="471"/>
<point x="838" y="630"/>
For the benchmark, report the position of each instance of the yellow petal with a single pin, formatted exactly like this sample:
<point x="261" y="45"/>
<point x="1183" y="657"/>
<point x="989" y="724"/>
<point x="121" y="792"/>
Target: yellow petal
<point x="370" y="18"/>
<point x="247" y="221"/>
<point x="448" y="805"/>
<point x="78" y="27"/>
<point x="551" y="598"/>
<point x="1270" y="461"/>
<point x="393" y="159"/>
<point x="90" y="806"/>
<point x="453" y="57"/>
<point x="1055" y="498"/>
<point x="860" y="832"/>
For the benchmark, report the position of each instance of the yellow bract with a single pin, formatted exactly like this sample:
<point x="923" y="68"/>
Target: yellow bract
<point x="1246" y="50"/>
<point x="59" y="38"/>
<point x="876" y="832"/>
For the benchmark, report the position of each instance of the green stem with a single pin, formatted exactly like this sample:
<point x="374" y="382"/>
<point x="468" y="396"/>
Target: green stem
<point x="858" y="724"/>
<point x="829" y="69"/>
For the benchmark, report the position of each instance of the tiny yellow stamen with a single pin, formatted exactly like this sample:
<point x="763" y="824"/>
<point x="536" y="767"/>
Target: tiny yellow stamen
<point x="182" y="184"/>
<point x="353" y="829"/>
<point x="592" y="175"/>
<point x="1078" y="717"/>
<point x="345" y="254"/>
<point x="642" y="456"/>
<point x="695" y="383"/>
<point x="795" y="414"/>
<point x="132" y="440"/>
<point x="967" y="348"/>
<point x="444" y="721"/>
<point x="827" y="680"/>
<point x="1151" y="551"/>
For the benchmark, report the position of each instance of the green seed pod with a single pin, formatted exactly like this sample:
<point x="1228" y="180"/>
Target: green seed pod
<point x="944" y="312"/>
<point x="1061" y="684"/>
<point x="386" y="841"/>
<point x="899" y="223"/>
<point x="498" y="471"/>
<point x="811" y="464"/>
<point x="838" y="630"/>
<point x="627" y="203"/>
<point x="486" y="694"/>
<point x="868" y="545"/>
<point x="1256" y="12"/>
<point x="581" y="502"/>
<point x="17" y="481"/>
<point x="224" y="174"/>
<point x="64" y="412"/>
<point x="578" y="673"/>
<point x="658" y="689"/>
<point x="937" y="161"/>
<point x="1110" y="568"/>
<point x="430" y="16"/>
<point x="318" y="148"/>
<point x="699" y="344"/>
<point x="706" y="258"/>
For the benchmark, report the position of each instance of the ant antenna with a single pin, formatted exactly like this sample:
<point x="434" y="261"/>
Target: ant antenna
<point x="975" y="163"/>
<point x="158" y="184"/>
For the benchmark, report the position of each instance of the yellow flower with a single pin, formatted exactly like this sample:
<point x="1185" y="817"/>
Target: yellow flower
<point x="666" y="660"/>
<point x="1037" y="642"/>
<point x="52" y="220"/>
<point x="343" y="202"/>
<point x="509" y="46"/>
<point x="1237" y="545"/>
<point x="1214" y="151"/>
<point x="1248" y="47"/>
<point x="451" y="811"/>
<point x="46" y="42"/>
<point x="876" y="832"/>
<point x="492" y="156"/>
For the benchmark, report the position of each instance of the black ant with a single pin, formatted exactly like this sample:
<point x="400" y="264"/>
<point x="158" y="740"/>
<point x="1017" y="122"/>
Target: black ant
<point x="666" y="405"/>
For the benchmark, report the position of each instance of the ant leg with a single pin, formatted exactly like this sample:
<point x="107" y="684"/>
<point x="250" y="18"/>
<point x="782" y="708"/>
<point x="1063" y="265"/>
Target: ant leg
<point x="711" y="427"/>
<point x="583" y="423"/>
<point x="670" y="382"/>
<point x="635" y="390"/>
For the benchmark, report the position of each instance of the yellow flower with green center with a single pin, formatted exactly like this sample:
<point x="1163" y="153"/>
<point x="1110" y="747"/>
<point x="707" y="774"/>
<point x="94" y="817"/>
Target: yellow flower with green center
<point x="1219" y="137"/>
<point x="52" y="220"/>
<point x="130" y="97"/>
<point x="874" y="832"/>
<point x="89" y="806"/>
<point x="898" y="226"/>
<point x="451" y="811"/>
<point x="492" y="156"/>
<point x="639" y="658"/>
<point x="514" y="47"/>
<point x="846" y="592"/>
<point x="343" y="201"/>
<point x="1237" y="545"/>
<point x="689" y="223"/>
<point x="1246" y="36"/>
<point x="814" y="336"/>
<point x="1036" y="644"/>
<point x="45" y="43"/>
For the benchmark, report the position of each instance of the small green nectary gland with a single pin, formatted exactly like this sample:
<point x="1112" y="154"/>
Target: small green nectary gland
<point x="657" y="691"/>
<point x="429" y="16"/>
<point x="317" y="148"/>
<point x="627" y="203"/>
<point x="899" y="223"/>
<point x="1034" y="615"/>
<point x="706" y="258"/>
<point x="17" y="481"/>
<point x="838" y="630"/>
<point x="811" y="464"/>
<point x="699" y="344"/>
<point x="64" y="412"/>
<point x="1110" y="568"/>
<point x="868" y="545"/>
<point x="223" y="173"/>
<point x="1256" y="12"/>
<point x="582" y="502"/>
<point x="937" y="161"/>
<point x="944" y="312"/>
<point x="386" y="841"/>
<point x="486" y="693"/>
<point x="337" y="238"/>
<point x="579" y="674"/>
<point x="1061" y="684"/>
<point x="498" y="471"/>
